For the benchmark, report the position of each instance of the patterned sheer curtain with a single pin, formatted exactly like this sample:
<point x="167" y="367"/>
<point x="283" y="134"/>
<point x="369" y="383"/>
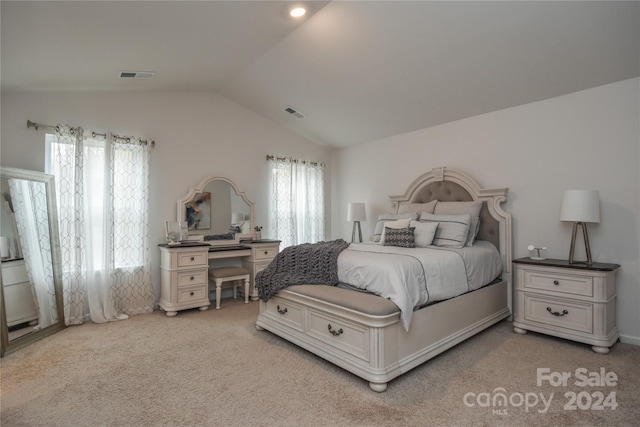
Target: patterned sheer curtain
<point x="103" y="198"/>
<point x="296" y="213"/>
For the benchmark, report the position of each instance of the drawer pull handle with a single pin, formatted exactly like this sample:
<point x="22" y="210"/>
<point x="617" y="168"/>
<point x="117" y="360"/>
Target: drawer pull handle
<point x="266" y="252"/>
<point x="334" y="332"/>
<point x="557" y="314"/>
<point x="281" y="310"/>
<point x="192" y="277"/>
<point x="193" y="258"/>
<point x="555" y="282"/>
<point x="191" y="294"/>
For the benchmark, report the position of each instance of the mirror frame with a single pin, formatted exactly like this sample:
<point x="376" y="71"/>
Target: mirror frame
<point x="7" y="346"/>
<point x="199" y="188"/>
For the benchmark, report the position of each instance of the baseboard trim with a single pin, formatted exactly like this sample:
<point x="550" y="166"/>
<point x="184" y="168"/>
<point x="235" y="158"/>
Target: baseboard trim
<point x="629" y="339"/>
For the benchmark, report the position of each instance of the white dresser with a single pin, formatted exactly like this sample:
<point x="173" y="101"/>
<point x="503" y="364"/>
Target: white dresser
<point x="18" y="296"/>
<point x="262" y="253"/>
<point x="184" y="281"/>
<point x="572" y="301"/>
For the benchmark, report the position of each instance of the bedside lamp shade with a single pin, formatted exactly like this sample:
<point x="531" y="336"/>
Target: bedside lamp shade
<point x="356" y="213"/>
<point x="580" y="207"/>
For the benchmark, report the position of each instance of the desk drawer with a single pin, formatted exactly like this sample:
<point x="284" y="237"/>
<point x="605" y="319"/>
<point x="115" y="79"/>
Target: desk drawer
<point x="265" y="253"/>
<point x="191" y="277"/>
<point x="192" y="259"/>
<point x="192" y="293"/>
<point x="557" y="312"/>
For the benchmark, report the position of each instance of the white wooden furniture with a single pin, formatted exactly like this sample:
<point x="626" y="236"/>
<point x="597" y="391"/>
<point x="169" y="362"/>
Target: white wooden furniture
<point x="183" y="277"/>
<point x="572" y="301"/>
<point x="229" y="274"/>
<point x="184" y="270"/>
<point x="262" y="253"/>
<point x="362" y="333"/>
<point x="17" y="292"/>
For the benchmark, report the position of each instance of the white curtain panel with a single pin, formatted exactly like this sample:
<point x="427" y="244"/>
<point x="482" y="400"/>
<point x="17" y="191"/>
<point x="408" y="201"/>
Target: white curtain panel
<point x="103" y="198"/>
<point x="29" y="200"/>
<point x="296" y="212"/>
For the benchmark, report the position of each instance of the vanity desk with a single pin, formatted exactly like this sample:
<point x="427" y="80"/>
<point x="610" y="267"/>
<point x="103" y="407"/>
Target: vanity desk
<point x="184" y="270"/>
<point x="219" y="219"/>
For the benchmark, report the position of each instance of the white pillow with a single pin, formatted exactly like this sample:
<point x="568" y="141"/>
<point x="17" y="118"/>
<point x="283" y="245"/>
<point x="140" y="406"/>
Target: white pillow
<point x="400" y="223"/>
<point x="452" y="229"/>
<point x="384" y="218"/>
<point x="424" y="233"/>
<point x="472" y="208"/>
<point x="417" y="207"/>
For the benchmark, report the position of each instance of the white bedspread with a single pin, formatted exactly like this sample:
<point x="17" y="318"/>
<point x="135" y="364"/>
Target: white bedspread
<point x="412" y="277"/>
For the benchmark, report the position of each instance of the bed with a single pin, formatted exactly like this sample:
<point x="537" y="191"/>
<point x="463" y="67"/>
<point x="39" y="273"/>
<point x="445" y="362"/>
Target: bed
<point x="369" y="335"/>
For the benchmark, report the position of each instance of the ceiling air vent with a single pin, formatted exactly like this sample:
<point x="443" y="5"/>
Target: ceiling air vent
<point x="294" y="112"/>
<point x="136" y="74"/>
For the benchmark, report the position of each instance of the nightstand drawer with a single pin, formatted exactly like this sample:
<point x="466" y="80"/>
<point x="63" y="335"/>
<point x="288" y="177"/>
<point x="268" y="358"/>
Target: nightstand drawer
<point x="556" y="312"/>
<point x="192" y="277"/>
<point x="559" y="282"/>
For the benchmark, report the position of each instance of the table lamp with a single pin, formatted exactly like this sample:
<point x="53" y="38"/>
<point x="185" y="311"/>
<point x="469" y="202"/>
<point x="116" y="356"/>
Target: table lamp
<point x="580" y="207"/>
<point x="356" y="213"/>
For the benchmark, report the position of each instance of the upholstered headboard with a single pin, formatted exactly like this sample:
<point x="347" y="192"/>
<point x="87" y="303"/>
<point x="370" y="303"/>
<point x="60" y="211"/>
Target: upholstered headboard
<point x="444" y="184"/>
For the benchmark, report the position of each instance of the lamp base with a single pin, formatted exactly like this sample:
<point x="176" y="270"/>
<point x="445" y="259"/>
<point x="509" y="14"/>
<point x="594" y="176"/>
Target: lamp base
<point x="585" y="236"/>
<point x="356" y="224"/>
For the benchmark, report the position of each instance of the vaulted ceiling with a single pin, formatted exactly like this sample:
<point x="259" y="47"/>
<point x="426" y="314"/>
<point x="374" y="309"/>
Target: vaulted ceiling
<point x="356" y="71"/>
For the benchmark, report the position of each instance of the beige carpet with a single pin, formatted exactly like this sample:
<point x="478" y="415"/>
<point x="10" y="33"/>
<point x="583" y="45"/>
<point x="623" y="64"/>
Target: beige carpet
<point x="214" y="368"/>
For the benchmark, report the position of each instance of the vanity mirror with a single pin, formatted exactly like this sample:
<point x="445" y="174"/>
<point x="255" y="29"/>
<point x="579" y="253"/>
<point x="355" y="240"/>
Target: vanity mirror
<point x="31" y="293"/>
<point x="216" y="212"/>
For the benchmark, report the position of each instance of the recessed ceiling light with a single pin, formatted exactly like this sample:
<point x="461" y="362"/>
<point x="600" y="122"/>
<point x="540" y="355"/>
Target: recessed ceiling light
<point x="297" y="12"/>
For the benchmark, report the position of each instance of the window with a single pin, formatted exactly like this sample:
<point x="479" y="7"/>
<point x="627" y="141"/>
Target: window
<point x="296" y="213"/>
<point x="102" y="199"/>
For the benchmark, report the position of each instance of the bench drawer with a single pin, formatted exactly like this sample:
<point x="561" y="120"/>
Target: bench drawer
<point x="286" y="312"/>
<point x="348" y="337"/>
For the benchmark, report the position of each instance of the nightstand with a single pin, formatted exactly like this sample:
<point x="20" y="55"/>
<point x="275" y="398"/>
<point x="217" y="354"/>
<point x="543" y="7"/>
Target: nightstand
<point x="572" y="301"/>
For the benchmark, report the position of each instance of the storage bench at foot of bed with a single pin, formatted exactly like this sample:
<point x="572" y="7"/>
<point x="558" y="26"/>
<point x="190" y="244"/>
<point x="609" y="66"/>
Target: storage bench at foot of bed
<point x="362" y="333"/>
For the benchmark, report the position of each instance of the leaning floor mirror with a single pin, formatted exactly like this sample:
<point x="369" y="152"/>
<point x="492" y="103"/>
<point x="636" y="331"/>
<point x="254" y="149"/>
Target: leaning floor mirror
<point x="31" y="305"/>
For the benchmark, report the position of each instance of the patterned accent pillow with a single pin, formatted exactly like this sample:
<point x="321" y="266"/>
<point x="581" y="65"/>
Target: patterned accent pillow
<point x="402" y="237"/>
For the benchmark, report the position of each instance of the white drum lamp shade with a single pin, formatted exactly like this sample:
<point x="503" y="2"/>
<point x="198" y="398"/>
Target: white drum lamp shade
<point x="580" y="207"/>
<point x="356" y="213"/>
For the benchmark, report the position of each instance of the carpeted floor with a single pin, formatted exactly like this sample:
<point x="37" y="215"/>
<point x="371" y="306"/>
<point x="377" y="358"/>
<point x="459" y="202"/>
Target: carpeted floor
<point x="214" y="368"/>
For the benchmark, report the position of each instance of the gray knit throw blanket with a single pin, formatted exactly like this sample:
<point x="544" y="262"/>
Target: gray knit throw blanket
<point x="308" y="263"/>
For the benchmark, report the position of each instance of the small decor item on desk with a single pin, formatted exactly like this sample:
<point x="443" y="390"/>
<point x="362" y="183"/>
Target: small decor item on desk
<point x="258" y="233"/>
<point x="173" y="233"/>
<point x="537" y="253"/>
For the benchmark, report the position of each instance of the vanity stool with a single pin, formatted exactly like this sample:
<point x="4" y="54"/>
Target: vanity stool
<point x="220" y="275"/>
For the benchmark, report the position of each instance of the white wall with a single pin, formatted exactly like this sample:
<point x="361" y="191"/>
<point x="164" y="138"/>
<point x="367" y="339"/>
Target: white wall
<point x="585" y="140"/>
<point x="196" y="134"/>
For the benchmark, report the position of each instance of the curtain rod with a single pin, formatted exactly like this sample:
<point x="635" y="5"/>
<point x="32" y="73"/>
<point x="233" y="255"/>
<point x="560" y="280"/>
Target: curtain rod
<point x="271" y="157"/>
<point x="56" y="128"/>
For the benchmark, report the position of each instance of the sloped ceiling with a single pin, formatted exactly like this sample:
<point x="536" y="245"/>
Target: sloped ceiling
<point x="357" y="70"/>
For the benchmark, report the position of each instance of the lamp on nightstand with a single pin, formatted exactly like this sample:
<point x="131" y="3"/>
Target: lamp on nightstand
<point x="356" y="213"/>
<point x="580" y="207"/>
